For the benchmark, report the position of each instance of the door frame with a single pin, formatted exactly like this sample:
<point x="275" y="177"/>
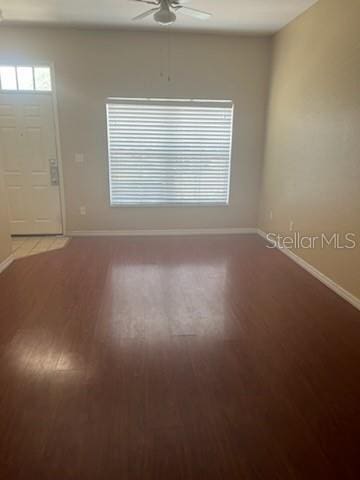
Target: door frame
<point x="54" y="102"/>
<point x="58" y="148"/>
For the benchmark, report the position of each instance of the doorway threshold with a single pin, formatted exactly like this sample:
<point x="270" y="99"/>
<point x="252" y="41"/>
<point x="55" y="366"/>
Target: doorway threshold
<point x="25" y="246"/>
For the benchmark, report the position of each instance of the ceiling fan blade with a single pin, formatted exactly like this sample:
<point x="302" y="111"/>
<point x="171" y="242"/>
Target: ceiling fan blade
<point x="150" y="2"/>
<point x="192" y="12"/>
<point x="145" y="14"/>
<point x="176" y="3"/>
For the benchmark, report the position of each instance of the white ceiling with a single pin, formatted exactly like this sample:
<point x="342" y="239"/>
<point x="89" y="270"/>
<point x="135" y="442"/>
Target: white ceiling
<point x="229" y="16"/>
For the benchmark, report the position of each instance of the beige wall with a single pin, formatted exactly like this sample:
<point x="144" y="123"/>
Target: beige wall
<point x="92" y="65"/>
<point x="312" y="160"/>
<point x="311" y="171"/>
<point x="5" y="246"/>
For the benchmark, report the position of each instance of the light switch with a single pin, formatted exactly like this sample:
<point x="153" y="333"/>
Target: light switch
<point x="79" y="158"/>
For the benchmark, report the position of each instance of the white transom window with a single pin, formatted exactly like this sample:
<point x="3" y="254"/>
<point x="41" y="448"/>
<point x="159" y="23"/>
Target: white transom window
<point x="25" y="78"/>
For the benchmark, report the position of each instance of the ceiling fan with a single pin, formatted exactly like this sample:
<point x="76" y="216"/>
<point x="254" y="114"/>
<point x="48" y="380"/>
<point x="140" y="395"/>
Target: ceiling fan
<point x="165" y="11"/>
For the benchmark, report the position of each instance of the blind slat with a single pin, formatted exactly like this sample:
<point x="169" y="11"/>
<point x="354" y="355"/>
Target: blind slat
<point x="173" y="152"/>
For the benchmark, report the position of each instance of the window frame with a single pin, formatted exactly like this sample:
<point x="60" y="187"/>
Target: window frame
<point x="27" y="91"/>
<point x="114" y="100"/>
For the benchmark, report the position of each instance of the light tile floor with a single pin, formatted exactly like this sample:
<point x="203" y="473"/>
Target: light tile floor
<point x="26" y="246"/>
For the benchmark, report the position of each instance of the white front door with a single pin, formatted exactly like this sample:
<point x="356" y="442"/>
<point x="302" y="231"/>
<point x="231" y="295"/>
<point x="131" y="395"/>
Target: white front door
<point x="29" y="164"/>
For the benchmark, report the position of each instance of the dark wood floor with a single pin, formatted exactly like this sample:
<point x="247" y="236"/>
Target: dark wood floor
<point x="175" y="358"/>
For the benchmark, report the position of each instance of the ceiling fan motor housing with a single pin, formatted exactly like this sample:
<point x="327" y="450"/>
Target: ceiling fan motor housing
<point x="165" y="11"/>
<point x="164" y="16"/>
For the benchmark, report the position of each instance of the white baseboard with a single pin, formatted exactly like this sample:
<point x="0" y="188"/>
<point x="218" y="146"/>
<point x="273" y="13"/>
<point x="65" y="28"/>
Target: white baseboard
<point x="141" y="233"/>
<point x="6" y="263"/>
<point x="349" y="297"/>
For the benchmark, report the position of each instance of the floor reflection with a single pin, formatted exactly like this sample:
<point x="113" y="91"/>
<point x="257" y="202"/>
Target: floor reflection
<point x="157" y="300"/>
<point x="37" y="352"/>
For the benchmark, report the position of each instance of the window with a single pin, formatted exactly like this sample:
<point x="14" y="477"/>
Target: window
<point x="169" y="151"/>
<point x="8" y="78"/>
<point x="25" y="78"/>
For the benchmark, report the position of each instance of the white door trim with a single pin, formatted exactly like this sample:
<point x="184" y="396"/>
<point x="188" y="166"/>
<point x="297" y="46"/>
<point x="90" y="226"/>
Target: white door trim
<point x="58" y="147"/>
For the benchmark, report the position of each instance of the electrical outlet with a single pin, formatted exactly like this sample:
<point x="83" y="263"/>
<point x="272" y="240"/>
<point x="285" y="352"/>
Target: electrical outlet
<point x="82" y="210"/>
<point x="291" y="226"/>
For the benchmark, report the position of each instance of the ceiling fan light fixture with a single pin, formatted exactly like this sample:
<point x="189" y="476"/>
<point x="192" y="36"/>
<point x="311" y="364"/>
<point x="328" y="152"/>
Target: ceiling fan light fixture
<point x="165" y="17"/>
<point x="163" y="11"/>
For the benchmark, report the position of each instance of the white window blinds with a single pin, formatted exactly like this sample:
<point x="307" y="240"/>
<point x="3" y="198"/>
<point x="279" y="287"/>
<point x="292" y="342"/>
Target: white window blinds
<point x="169" y="152"/>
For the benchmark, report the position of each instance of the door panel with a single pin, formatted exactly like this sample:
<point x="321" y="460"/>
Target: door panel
<point x="17" y="209"/>
<point x="27" y="139"/>
<point x="35" y="151"/>
<point x="9" y="137"/>
<point x="43" y="209"/>
<point x="12" y="165"/>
